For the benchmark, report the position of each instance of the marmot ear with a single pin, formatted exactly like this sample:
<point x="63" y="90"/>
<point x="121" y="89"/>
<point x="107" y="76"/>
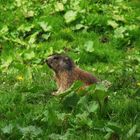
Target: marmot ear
<point x="69" y="63"/>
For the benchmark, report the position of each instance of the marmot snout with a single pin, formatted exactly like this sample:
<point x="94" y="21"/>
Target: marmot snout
<point x="66" y="72"/>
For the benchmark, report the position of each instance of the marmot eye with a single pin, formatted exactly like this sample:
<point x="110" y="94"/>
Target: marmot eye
<point x="56" y="58"/>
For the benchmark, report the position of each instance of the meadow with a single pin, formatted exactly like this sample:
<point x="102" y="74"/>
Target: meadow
<point x="102" y="37"/>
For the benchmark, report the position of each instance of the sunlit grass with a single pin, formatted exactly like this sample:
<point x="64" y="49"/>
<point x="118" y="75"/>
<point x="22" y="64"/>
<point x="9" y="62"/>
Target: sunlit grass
<point x="26" y="84"/>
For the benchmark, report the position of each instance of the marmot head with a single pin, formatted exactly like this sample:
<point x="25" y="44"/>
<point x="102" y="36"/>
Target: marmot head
<point x="59" y="62"/>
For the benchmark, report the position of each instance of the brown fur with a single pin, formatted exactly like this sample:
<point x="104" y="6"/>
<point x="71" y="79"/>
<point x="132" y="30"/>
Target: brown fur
<point x="66" y="72"/>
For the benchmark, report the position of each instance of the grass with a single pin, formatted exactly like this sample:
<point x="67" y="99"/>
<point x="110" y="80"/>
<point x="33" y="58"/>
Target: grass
<point x="30" y="31"/>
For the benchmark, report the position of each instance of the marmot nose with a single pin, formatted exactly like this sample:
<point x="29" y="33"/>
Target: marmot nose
<point x="46" y="61"/>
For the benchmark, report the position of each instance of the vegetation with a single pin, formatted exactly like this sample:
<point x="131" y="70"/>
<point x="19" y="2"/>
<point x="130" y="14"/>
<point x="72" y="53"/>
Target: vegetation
<point x="102" y="36"/>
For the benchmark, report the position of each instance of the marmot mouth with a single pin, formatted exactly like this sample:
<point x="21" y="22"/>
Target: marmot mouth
<point x="48" y="63"/>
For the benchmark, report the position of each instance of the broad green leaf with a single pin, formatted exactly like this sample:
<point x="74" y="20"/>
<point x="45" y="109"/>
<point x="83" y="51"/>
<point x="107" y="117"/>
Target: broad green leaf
<point x="33" y="38"/>
<point x="3" y="30"/>
<point x="64" y="1"/>
<point x="132" y="131"/>
<point x="114" y="127"/>
<point x="138" y="135"/>
<point x="70" y="100"/>
<point x="54" y="136"/>
<point x="29" y="14"/>
<point x="45" y="26"/>
<point x="83" y="100"/>
<point x="119" y="18"/>
<point x="112" y="23"/>
<point x="29" y="55"/>
<point x="74" y="88"/>
<point x="50" y="51"/>
<point x="101" y="86"/>
<point x="21" y="42"/>
<point x="18" y="3"/>
<point x="61" y="116"/>
<point x="83" y="119"/>
<point x="75" y="5"/>
<point x="28" y="74"/>
<point x="46" y="36"/>
<point x="70" y="16"/>
<point x="59" y="7"/>
<point x="30" y="130"/>
<point x="89" y="46"/>
<point x="7" y="129"/>
<point x="27" y="28"/>
<point x="65" y="136"/>
<point x="119" y="1"/>
<point x="132" y="27"/>
<point x="108" y="135"/>
<point x="79" y="26"/>
<point x="119" y="32"/>
<point x="93" y="106"/>
<point x="6" y="62"/>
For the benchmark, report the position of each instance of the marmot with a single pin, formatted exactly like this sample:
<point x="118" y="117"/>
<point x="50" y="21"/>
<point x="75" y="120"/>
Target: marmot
<point x="66" y="72"/>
